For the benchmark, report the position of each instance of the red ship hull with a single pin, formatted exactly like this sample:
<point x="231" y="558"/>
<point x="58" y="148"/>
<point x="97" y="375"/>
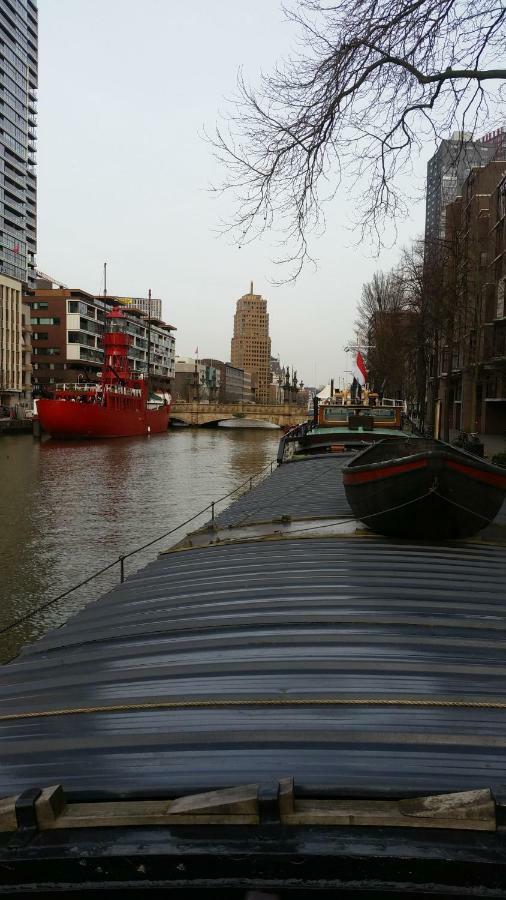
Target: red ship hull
<point x="68" y="419"/>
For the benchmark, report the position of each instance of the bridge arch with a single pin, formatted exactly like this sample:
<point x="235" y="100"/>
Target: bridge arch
<point x="212" y="413"/>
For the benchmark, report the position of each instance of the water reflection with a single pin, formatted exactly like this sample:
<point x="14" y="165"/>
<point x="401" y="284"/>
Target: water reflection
<point x="69" y="508"/>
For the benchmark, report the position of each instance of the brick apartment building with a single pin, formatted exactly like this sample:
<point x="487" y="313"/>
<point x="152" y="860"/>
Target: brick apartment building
<point x="67" y="327"/>
<point x="471" y="364"/>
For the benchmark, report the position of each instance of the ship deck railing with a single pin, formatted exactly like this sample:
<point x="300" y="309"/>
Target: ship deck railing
<point x="81" y="386"/>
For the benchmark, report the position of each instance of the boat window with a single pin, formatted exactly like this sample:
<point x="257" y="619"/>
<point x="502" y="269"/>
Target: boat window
<point x="340" y="413"/>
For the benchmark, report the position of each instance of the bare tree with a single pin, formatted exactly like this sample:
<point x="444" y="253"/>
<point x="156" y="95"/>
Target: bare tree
<point x="386" y="320"/>
<point x="373" y="79"/>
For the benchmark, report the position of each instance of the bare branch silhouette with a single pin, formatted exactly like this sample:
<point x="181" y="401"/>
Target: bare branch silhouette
<point x="373" y="79"/>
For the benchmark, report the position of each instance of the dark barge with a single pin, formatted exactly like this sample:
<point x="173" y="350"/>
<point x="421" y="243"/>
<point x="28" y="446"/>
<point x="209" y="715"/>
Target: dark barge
<point x="423" y="488"/>
<point x="339" y="699"/>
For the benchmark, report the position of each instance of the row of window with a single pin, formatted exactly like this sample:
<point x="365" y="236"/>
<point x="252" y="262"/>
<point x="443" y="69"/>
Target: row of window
<point x="11" y="56"/>
<point x="14" y="145"/>
<point x="14" y="102"/>
<point x="14" y="74"/>
<point x="14" y="131"/>
<point x="84" y="309"/>
<point x="45" y="320"/>
<point x="13" y="116"/>
<point x="46" y="351"/>
<point x="11" y="86"/>
<point x="76" y="337"/>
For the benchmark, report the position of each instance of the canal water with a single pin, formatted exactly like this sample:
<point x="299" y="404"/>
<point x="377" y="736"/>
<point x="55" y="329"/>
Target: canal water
<point x="69" y="508"/>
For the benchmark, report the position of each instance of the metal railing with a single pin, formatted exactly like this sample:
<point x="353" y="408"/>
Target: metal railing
<point x="120" y="561"/>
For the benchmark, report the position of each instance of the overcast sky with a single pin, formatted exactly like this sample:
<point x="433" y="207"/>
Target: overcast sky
<point x="126" y="90"/>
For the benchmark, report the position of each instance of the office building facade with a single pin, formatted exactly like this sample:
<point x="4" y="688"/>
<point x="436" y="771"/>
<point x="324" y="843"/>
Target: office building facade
<point x="251" y="344"/>
<point x="234" y="383"/>
<point x="151" y="307"/>
<point x="18" y="193"/>
<point x="447" y="171"/>
<point x="18" y="110"/>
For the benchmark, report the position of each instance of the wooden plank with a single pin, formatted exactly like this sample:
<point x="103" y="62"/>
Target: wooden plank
<point x="49" y="806"/>
<point x="8" y="814"/>
<point x="468" y="810"/>
<point x="229" y="801"/>
<point x="286" y="797"/>
<point x="442" y="811"/>
<point x="461" y="805"/>
<point x="140" y="812"/>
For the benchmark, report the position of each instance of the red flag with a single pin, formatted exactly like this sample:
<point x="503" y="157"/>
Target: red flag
<point x="15" y="249"/>
<point x="359" y="370"/>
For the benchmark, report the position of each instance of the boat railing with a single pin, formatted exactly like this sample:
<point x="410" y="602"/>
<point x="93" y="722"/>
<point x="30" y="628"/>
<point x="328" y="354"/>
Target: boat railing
<point x="298" y="431"/>
<point x="78" y="386"/>
<point x="399" y="404"/>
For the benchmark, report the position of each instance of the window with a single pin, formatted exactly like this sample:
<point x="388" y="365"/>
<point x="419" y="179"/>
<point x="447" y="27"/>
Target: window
<point x="46" y="321"/>
<point x="40" y="336"/>
<point x="39" y="305"/>
<point x="46" y="351"/>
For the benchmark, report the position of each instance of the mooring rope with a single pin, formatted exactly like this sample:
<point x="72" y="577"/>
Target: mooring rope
<point x="224" y="703"/>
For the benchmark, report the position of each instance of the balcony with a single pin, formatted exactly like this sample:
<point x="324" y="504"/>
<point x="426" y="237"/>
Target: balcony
<point x="13" y="204"/>
<point x="14" y="191"/>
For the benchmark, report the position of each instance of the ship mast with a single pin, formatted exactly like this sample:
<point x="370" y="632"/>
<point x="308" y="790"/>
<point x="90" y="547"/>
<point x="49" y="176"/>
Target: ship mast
<point x="149" y="337"/>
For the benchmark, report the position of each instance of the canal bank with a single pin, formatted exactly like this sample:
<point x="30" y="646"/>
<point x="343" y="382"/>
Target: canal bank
<point x="69" y="508"/>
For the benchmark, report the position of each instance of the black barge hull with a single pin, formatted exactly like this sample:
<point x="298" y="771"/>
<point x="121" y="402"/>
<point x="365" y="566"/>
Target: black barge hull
<point x="423" y="489"/>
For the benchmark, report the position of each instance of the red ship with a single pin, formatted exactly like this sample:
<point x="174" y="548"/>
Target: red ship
<point x="117" y="406"/>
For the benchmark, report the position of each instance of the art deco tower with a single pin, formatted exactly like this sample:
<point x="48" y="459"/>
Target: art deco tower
<point x="251" y="344"/>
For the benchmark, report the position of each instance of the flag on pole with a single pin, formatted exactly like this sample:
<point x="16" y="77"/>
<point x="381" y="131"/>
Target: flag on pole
<point x="15" y="249"/>
<point x="196" y="351"/>
<point x="359" y="370"/>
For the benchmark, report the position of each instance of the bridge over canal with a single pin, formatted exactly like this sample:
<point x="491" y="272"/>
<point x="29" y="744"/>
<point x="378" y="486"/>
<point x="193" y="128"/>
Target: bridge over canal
<point x="193" y="413"/>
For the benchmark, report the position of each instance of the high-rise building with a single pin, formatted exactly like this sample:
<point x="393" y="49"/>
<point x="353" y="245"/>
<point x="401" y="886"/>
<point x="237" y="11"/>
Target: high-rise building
<point x="18" y="192"/>
<point x="18" y="109"/>
<point x="251" y="344"/>
<point x="448" y="170"/>
<point x="151" y="307"/>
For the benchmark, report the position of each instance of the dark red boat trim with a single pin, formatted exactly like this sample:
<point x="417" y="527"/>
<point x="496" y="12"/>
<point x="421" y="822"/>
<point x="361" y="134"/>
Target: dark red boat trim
<point x="384" y="472"/>
<point x="495" y="478"/>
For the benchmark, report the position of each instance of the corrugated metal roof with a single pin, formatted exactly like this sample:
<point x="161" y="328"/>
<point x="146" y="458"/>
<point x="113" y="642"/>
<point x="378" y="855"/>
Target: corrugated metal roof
<point x="302" y="489"/>
<point x="278" y="622"/>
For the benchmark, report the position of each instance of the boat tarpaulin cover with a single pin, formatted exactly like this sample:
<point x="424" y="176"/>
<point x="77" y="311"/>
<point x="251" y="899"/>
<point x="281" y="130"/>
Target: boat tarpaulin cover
<point x="353" y="665"/>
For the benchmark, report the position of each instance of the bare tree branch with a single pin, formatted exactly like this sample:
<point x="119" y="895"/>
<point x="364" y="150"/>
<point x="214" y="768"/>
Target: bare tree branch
<point x="356" y="101"/>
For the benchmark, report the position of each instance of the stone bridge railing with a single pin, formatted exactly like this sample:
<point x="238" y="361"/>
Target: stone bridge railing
<point x="204" y="413"/>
